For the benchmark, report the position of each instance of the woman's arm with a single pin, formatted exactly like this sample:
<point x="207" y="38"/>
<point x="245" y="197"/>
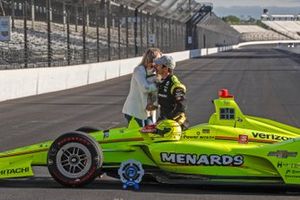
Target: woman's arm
<point x="140" y="77"/>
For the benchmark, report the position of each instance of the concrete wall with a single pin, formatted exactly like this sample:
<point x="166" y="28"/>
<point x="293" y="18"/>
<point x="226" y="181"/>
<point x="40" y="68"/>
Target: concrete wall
<point x="208" y="38"/>
<point x="266" y="42"/>
<point x="27" y="82"/>
<point x="213" y="32"/>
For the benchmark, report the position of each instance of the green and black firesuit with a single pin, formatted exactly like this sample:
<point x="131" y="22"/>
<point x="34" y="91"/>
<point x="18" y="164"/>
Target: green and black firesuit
<point x="172" y="101"/>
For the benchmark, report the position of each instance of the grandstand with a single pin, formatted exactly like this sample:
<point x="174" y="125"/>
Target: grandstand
<point x="215" y="32"/>
<point x="98" y="31"/>
<point x="257" y="33"/>
<point x="38" y="48"/>
<point x="288" y="25"/>
<point x="290" y="29"/>
<point x="73" y="32"/>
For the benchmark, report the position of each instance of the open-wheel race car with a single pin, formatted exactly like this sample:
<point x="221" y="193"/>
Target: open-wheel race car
<point x="230" y="148"/>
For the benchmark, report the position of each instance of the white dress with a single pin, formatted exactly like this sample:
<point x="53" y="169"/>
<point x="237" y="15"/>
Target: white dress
<point x="140" y="87"/>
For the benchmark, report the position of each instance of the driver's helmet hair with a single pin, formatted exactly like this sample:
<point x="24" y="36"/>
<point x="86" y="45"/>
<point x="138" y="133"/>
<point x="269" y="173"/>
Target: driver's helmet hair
<point x="169" y="129"/>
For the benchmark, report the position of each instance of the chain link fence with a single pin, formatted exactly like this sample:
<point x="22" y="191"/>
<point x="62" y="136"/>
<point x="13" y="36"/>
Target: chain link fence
<point x="58" y="33"/>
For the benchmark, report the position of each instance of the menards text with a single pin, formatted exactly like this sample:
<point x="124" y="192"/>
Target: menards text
<point x="202" y="159"/>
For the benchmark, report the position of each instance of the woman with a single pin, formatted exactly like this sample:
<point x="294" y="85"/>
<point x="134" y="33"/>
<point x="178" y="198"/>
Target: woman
<point x="141" y="86"/>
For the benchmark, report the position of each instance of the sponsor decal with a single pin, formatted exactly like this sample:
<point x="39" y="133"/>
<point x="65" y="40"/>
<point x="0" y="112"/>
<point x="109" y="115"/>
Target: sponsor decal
<point x="243" y="139"/>
<point x="239" y="119"/>
<point x="288" y="165"/>
<point x="282" y="154"/>
<point x="198" y="136"/>
<point x="131" y="173"/>
<point x="122" y="131"/>
<point x="105" y="134"/>
<point x="207" y="131"/>
<point x="289" y="171"/>
<point x="202" y="159"/>
<point x="207" y="137"/>
<point x="269" y="136"/>
<point x="14" y="171"/>
<point x="292" y="176"/>
<point x="226" y="103"/>
<point x="190" y="137"/>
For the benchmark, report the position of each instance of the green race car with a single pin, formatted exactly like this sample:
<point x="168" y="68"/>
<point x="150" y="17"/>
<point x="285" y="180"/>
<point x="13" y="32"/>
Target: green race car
<point x="230" y="148"/>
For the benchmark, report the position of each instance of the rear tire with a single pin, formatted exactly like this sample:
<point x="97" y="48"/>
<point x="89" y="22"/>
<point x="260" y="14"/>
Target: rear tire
<point x="74" y="159"/>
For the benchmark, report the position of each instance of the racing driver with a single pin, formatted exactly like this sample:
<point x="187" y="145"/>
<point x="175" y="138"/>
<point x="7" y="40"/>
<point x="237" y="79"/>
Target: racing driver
<point x="171" y="92"/>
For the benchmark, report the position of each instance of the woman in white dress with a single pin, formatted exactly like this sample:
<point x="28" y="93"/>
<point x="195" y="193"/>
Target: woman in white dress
<point x="142" y="85"/>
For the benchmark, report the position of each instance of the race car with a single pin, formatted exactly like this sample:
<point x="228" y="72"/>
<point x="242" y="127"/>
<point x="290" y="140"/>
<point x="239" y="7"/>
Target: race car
<point x="231" y="148"/>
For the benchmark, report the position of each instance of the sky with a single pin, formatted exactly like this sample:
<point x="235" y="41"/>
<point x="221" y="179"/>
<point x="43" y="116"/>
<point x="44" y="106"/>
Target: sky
<point x="253" y="8"/>
<point x="261" y="3"/>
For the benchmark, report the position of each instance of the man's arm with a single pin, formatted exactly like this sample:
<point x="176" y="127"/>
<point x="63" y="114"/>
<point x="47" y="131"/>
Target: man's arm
<point x="180" y="102"/>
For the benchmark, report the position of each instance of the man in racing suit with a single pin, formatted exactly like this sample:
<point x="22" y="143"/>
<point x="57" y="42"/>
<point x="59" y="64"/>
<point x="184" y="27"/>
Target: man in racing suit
<point x="171" y="92"/>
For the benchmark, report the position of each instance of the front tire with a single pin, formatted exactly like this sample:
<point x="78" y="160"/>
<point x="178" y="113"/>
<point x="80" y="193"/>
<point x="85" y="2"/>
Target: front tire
<point x="74" y="159"/>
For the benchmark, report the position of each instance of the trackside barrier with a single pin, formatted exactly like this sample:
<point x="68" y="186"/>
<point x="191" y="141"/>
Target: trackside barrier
<point x="27" y="82"/>
<point x="265" y="42"/>
<point x="295" y="49"/>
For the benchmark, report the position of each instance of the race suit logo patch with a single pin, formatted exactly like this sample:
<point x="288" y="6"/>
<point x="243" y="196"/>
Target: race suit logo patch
<point x="202" y="159"/>
<point x="270" y="136"/>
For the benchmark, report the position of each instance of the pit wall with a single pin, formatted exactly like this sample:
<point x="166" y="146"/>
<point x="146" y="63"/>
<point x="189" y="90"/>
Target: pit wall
<point x="28" y="82"/>
<point x="292" y="46"/>
<point x="278" y="42"/>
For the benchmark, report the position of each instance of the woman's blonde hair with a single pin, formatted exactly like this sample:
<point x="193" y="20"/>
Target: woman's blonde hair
<point x="150" y="55"/>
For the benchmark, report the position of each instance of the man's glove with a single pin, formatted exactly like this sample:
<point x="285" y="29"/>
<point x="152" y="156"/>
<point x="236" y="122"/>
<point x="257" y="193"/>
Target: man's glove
<point x="181" y="118"/>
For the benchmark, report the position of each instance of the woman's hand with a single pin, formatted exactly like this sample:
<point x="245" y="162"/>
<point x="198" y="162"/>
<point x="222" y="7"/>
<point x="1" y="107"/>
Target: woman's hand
<point x="151" y="107"/>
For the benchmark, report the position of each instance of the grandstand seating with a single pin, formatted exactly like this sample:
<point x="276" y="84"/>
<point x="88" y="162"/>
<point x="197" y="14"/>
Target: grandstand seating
<point x="248" y="28"/>
<point x="257" y="33"/>
<point x="38" y="40"/>
<point x="291" y="29"/>
<point x="169" y="34"/>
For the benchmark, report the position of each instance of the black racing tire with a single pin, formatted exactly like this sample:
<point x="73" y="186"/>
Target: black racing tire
<point x="74" y="159"/>
<point x="87" y="129"/>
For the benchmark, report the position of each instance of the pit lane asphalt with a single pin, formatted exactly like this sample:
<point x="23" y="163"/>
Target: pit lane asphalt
<point x="264" y="81"/>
